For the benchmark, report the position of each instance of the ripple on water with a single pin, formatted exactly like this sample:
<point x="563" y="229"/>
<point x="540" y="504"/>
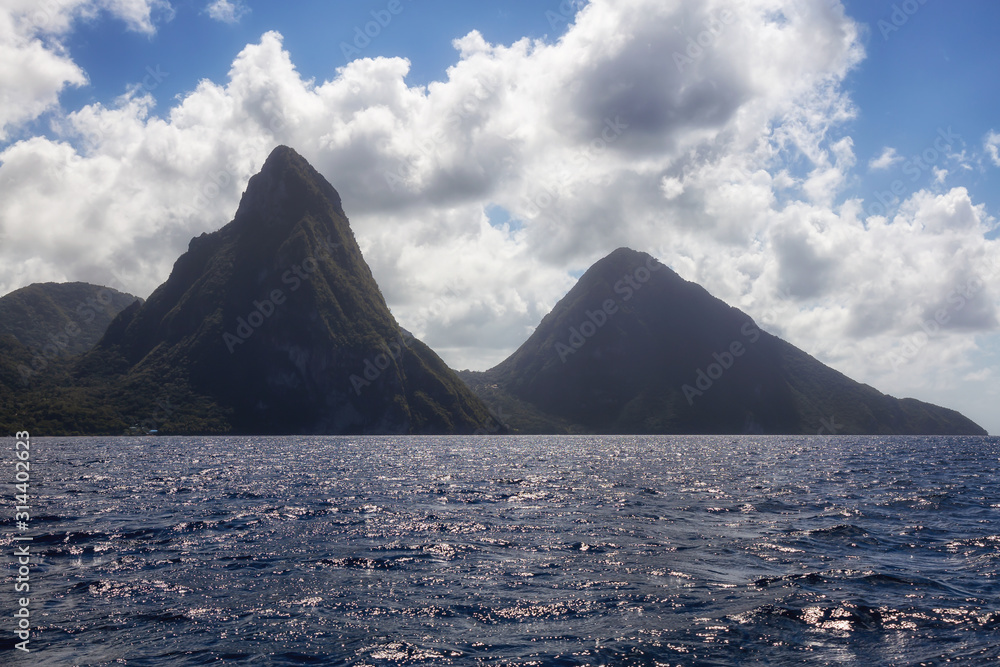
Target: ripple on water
<point x="630" y="550"/>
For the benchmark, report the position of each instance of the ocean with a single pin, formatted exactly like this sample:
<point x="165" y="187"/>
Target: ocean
<point x="528" y="550"/>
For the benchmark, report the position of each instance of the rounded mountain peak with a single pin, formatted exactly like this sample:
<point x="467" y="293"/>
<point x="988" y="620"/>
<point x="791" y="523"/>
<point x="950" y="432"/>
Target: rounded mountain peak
<point x="621" y="262"/>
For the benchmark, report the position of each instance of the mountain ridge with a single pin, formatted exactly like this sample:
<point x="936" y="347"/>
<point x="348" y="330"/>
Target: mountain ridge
<point x="274" y="324"/>
<point x="43" y="327"/>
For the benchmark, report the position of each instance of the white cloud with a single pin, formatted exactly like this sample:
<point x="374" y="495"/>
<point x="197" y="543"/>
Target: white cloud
<point x="730" y="169"/>
<point x="34" y="64"/>
<point x="672" y="187"/>
<point x="992" y="146"/>
<point x="227" y="12"/>
<point x="888" y="158"/>
<point x="139" y="15"/>
<point x="31" y="75"/>
<point x="979" y="376"/>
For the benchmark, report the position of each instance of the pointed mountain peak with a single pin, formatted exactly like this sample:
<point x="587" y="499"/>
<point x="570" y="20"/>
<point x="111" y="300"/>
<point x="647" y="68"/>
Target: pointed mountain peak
<point x="286" y="189"/>
<point x="625" y="254"/>
<point x="284" y="162"/>
<point x="275" y="324"/>
<point x="282" y="156"/>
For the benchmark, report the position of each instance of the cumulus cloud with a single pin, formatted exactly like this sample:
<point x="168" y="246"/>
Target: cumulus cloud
<point x="227" y="12"/>
<point x="886" y="159"/>
<point x="709" y="134"/>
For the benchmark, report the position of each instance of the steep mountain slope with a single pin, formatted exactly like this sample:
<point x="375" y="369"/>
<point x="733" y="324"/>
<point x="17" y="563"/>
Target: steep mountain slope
<point x="274" y="324"/>
<point x="634" y="348"/>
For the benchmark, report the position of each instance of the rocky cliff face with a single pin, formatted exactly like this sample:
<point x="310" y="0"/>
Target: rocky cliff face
<point x="275" y="324"/>
<point x="634" y="348"/>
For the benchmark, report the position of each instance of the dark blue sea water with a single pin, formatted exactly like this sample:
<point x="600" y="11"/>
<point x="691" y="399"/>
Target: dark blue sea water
<point x="512" y="551"/>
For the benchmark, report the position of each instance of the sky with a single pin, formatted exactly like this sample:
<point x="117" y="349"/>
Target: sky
<point x="828" y="167"/>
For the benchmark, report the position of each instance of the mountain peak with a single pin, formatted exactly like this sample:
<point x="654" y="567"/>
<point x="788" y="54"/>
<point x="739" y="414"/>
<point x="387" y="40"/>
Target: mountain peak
<point x="275" y="324"/>
<point x="286" y="190"/>
<point x="626" y="260"/>
<point x="635" y="348"/>
<point x="283" y="162"/>
<point x="282" y="155"/>
<point x="625" y="252"/>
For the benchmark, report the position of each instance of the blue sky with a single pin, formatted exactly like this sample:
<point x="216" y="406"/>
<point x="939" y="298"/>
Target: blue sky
<point x="197" y="47"/>
<point x="828" y="167"/>
<point x="937" y="70"/>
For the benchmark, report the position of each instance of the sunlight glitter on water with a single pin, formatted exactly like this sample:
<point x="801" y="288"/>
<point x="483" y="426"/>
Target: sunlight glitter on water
<point x="517" y="550"/>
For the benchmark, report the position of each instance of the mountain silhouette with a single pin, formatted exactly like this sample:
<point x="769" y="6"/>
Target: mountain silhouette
<point x="634" y="348"/>
<point x="274" y="325"/>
